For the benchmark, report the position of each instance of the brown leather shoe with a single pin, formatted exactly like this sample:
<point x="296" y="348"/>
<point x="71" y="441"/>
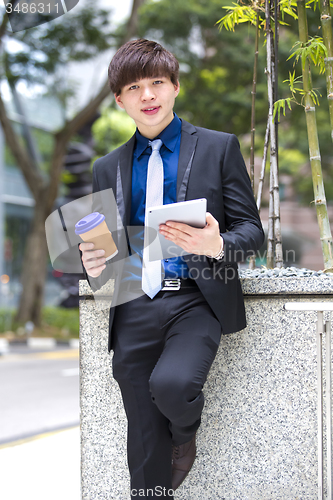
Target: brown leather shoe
<point x="183" y="457"/>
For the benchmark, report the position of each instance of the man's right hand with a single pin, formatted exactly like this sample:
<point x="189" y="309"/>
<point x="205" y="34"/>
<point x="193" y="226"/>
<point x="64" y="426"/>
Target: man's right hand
<point x="93" y="260"/>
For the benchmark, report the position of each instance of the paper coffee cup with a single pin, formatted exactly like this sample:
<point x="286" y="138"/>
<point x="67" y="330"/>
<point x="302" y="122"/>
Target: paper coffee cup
<point x="93" y="229"/>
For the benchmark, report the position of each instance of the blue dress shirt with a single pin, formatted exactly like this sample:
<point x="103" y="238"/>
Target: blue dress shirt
<point x="170" y="136"/>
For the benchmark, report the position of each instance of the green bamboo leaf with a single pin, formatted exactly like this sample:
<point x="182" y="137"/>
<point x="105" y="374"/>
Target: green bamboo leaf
<point x="290" y="12"/>
<point x="237" y="14"/>
<point x="289" y="8"/>
<point x="280" y="105"/>
<point x="310" y="2"/>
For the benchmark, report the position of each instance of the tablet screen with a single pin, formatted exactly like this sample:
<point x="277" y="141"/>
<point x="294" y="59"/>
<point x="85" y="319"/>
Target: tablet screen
<point x="191" y="212"/>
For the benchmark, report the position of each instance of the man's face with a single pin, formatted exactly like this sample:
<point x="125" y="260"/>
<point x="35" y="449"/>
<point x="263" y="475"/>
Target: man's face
<point x="150" y="103"/>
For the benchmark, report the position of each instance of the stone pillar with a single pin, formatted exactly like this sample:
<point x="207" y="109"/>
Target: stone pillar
<point x="258" y="438"/>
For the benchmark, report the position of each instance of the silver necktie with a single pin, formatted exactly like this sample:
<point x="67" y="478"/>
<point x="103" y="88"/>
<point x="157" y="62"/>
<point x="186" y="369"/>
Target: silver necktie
<point x="151" y="271"/>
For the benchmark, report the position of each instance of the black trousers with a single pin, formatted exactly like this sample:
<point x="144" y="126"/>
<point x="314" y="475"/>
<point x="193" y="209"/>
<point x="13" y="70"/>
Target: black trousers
<point x="163" y="350"/>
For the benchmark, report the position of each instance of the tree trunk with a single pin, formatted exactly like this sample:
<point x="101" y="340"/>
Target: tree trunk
<point x="314" y="151"/>
<point x="34" y="269"/>
<point x="35" y="256"/>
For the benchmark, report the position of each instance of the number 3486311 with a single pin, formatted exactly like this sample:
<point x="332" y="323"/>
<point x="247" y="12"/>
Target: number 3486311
<point x="32" y="8"/>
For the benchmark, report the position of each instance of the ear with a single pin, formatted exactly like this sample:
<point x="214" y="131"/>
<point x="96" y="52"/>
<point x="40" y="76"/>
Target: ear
<point x="119" y="101"/>
<point x="177" y="87"/>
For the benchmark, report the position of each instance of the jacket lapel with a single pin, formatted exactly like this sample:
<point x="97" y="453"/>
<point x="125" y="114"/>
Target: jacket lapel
<point x="124" y="170"/>
<point x="187" y="149"/>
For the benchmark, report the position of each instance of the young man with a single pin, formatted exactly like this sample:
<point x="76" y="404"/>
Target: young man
<point x="165" y="340"/>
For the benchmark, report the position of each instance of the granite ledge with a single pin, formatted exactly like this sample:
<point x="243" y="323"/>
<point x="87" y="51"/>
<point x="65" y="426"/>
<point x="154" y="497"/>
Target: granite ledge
<point x="86" y="291"/>
<point x="287" y="285"/>
<point x="250" y="286"/>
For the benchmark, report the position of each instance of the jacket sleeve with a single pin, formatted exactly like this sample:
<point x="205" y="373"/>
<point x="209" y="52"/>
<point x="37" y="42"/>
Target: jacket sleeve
<point x="244" y="234"/>
<point x="98" y="206"/>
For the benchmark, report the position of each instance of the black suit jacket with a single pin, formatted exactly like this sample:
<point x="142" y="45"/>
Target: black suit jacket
<point x="210" y="166"/>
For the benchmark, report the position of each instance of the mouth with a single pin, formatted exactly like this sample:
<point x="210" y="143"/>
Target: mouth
<point x="152" y="110"/>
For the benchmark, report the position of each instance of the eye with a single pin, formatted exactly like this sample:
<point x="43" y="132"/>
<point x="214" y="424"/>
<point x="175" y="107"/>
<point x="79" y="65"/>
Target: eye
<point x="157" y="82"/>
<point x="133" y="87"/>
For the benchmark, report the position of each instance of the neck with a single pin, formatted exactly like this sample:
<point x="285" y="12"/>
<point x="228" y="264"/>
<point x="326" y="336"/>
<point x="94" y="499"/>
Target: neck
<point x="155" y="130"/>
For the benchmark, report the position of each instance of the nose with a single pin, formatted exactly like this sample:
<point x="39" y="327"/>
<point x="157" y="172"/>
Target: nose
<point x="148" y="94"/>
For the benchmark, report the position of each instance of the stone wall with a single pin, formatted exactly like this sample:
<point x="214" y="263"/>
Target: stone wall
<point x="258" y="438"/>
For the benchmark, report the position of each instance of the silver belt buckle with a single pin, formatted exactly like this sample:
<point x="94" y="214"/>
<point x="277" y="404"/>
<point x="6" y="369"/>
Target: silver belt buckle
<point x="171" y="285"/>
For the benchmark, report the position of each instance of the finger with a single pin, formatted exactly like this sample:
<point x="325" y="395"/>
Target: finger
<point x="210" y="220"/>
<point x="95" y="267"/>
<point x="96" y="271"/>
<point x="180" y="226"/>
<point x="86" y="246"/>
<point x="173" y="233"/>
<point x="92" y="255"/>
<point x="93" y="258"/>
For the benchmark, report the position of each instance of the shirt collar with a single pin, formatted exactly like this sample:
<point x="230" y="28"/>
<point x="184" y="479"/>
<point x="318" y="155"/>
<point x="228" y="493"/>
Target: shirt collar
<point x="168" y="136"/>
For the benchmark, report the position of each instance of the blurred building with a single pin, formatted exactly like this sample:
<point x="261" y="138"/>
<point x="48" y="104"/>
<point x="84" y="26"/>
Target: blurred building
<point x="43" y="116"/>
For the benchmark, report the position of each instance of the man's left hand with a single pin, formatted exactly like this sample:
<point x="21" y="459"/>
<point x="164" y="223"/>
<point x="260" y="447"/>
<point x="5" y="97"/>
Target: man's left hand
<point x="205" y="241"/>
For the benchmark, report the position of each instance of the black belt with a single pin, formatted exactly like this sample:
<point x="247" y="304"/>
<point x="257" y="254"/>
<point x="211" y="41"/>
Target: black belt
<point x="175" y="284"/>
<point x="168" y="285"/>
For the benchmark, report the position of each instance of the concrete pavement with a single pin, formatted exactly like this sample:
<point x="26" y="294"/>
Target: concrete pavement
<point x="46" y="466"/>
<point x="39" y="392"/>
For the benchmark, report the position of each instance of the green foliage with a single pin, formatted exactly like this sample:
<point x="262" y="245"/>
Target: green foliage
<point x="54" y="321"/>
<point x="280" y="105"/>
<point x="314" y="50"/>
<point x="78" y="36"/>
<point x="290" y="161"/>
<point x="289" y="8"/>
<point x="293" y="81"/>
<point x="292" y="135"/>
<point x="61" y="317"/>
<point x="315" y="4"/>
<point x="67" y="177"/>
<point x="45" y="142"/>
<point x="238" y="14"/>
<point x="111" y="130"/>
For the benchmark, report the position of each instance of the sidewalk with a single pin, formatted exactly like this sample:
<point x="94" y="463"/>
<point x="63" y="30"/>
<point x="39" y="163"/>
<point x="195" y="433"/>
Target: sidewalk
<point x="37" y="343"/>
<point x="43" y="467"/>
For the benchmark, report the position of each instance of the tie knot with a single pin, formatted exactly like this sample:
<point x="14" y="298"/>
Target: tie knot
<point x="155" y="145"/>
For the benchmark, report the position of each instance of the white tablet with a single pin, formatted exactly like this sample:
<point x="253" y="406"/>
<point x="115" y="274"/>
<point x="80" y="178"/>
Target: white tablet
<point x="192" y="212"/>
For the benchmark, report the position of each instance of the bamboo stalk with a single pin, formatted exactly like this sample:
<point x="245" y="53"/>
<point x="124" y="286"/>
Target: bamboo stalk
<point x="326" y="24"/>
<point x="274" y="177"/>
<point x="276" y="70"/>
<point x="261" y="182"/>
<point x="252" y="260"/>
<point x="270" y="233"/>
<point x="314" y="151"/>
<point x="276" y="192"/>
<point x="263" y="167"/>
<point x="253" y="109"/>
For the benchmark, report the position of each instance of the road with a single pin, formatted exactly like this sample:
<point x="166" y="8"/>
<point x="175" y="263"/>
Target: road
<point x="39" y="392"/>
